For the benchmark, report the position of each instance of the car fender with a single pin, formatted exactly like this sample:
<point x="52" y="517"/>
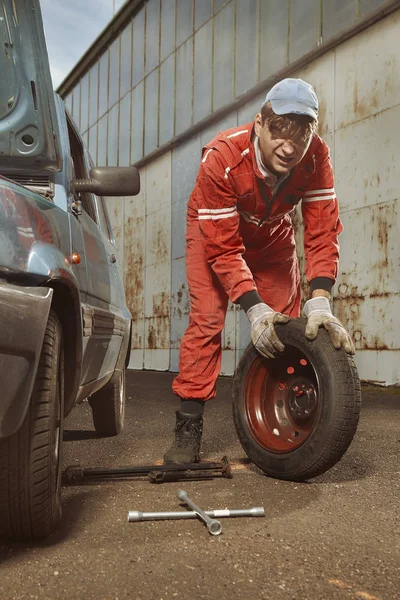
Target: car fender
<point x="23" y="313"/>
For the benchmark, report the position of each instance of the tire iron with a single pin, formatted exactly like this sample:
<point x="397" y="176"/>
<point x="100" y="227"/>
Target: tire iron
<point x="136" y="515"/>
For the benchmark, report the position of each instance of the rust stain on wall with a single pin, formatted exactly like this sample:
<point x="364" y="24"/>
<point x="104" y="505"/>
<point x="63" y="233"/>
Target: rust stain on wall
<point x="159" y="237"/>
<point x="359" y="106"/>
<point x="134" y="267"/>
<point x="180" y="302"/>
<point x="158" y="333"/>
<point x="323" y="127"/>
<point x="348" y="309"/>
<point x="297" y="222"/>
<point x="161" y="305"/>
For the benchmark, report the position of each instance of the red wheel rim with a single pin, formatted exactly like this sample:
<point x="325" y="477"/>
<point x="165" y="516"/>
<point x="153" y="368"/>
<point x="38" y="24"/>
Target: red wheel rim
<point x="281" y="400"/>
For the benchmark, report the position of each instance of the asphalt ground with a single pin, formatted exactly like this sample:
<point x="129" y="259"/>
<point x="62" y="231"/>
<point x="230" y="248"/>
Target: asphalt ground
<point x="335" y="537"/>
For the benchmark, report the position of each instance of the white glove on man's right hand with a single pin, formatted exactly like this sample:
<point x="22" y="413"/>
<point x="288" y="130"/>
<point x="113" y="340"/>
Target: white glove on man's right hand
<point x="263" y="335"/>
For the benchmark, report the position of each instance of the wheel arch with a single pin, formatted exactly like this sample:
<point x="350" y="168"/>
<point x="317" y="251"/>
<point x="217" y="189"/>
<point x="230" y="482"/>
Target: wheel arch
<point x="66" y="304"/>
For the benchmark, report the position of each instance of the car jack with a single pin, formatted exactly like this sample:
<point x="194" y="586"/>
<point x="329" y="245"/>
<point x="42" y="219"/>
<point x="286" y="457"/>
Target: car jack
<point x="76" y="475"/>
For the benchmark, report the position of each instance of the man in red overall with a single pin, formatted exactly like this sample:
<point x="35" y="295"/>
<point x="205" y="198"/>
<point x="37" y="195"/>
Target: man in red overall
<point x="240" y="244"/>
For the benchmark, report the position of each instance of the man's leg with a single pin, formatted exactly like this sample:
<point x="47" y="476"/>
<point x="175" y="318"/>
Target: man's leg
<point x="200" y="351"/>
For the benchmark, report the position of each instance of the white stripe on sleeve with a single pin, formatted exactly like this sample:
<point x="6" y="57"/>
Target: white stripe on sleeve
<point x="319" y="198"/>
<point x="319" y="192"/>
<point x="216" y="216"/>
<point x="214" y="211"/>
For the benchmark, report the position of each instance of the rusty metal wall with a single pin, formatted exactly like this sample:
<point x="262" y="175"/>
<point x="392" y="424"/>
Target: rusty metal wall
<point x="358" y="84"/>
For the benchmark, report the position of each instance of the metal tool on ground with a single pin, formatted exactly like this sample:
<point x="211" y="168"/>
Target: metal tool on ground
<point x="213" y="526"/>
<point x="136" y="515"/>
<point x="76" y="475"/>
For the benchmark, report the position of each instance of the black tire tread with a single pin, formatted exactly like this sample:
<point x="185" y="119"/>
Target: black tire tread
<point x="105" y="409"/>
<point x="26" y="510"/>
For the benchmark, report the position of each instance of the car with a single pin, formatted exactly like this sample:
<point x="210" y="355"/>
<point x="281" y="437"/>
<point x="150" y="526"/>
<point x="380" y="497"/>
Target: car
<point x="65" y="326"/>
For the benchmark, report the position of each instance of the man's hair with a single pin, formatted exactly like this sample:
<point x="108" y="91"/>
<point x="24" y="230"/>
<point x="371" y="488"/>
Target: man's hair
<point x="291" y="126"/>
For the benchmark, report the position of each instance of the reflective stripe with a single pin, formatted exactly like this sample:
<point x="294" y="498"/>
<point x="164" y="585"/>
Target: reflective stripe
<point x="215" y="217"/>
<point x="238" y="133"/>
<point x="214" y="211"/>
<point x="206" y="154"/>
<point x="318" y="198"/>
<point x="245" y="151"/>
<point x="316" y="192"/>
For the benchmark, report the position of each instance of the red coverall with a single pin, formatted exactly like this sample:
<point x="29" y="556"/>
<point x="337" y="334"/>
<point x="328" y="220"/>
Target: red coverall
<point x="240" y="238"/>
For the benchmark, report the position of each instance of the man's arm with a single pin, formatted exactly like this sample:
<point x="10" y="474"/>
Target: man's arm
<point x="322" y="227"/>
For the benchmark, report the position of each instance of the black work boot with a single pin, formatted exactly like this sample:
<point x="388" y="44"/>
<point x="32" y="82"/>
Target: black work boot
<point x="186" y="446"/>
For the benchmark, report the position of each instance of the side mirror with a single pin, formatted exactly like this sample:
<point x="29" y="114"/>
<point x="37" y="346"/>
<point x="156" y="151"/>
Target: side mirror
<point x="110" y="181"/>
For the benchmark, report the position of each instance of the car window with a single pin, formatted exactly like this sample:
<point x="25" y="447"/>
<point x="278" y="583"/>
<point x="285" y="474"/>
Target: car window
<point x="80" y="172"/>
<point x="108" y="231"/>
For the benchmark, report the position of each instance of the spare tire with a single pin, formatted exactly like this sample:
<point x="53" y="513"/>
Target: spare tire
<point x="296" y="414"/>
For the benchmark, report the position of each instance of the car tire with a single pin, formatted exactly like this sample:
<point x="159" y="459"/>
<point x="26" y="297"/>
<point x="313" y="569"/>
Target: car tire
<point x="296" y="414"/>
<point x="108" y="407"/>
<point x="30" y="460"/>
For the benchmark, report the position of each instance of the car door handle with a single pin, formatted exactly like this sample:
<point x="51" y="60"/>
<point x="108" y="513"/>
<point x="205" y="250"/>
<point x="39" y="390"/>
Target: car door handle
<point x="113" y="258"/>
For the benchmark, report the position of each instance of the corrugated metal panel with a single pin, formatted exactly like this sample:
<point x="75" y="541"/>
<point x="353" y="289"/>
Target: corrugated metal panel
<point x="137" y="122"/>
<point x="152" y="42"/>
<point x="84" y="103"/>
<point x="180" y="307"/>
<point x="337" y="15"/>
<point x="246" y="45"/>
<point x="134" y="268"/>
<point x="138" y="47"/>
<point x="202" y="12"/>
<point x="183" y="89"/>
<point x="368" y="73"/>
<point x="158" y="264"/>
<point x="167" y="99"/>
<point x="102" y="141"/>
<point x="93" y="94"/>
<point x="167" y="44"/>
<point x="124" y="136"/>
<point x="151" y="112"/>
<point x="304" y="27"/>
<point x="113" y="83"/>
<point x="184" y="20"/>
<point x="273" y="39"/>
<point x="202" y="80"/>
<point x="321" y="75"/>
<point x="224" y="36"/>
<point x="369" y="282"/>
<point x="112" y="142"/>
<point x="185" y="165"/>
<point x="126" y="60"/>
<point x="103" y="84"/>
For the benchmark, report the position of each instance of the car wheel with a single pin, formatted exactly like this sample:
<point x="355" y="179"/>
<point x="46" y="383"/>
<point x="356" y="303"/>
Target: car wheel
<point x="30" y="460"/>
<point x="108" y="407"/>
<point x="296" y="415"/>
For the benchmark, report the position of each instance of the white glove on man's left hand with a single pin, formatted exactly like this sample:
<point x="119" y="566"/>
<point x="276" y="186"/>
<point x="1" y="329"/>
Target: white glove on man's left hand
<point x="318" y="313"/>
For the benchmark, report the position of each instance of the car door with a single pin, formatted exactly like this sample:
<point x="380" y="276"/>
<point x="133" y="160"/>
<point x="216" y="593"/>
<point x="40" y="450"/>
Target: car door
<point x="99" y="358"/>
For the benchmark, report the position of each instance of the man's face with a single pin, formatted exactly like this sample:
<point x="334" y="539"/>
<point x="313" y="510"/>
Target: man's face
<point x="279" y="154"/>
